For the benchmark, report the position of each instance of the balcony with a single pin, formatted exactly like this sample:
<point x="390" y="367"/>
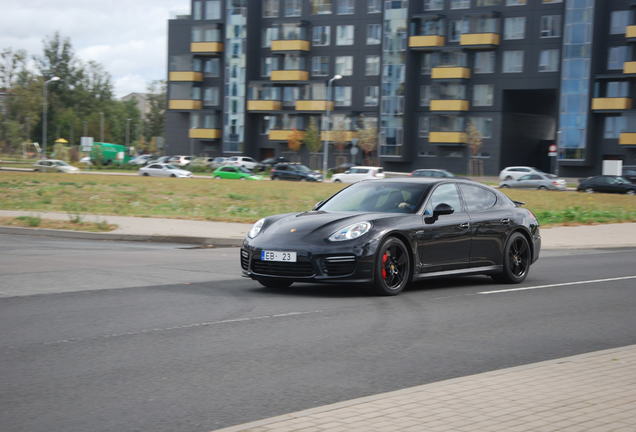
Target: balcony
<point x="290" y="75"/>
<point x="629" y="68"/>
<point x="449" y="105"/>
<point x="338" y="135"/>
<point x="206" y="47"/>
<point x="630" y="33"/>
<point x="283" y="134"/>
<point x="611" y="104"/>
<point x="480" y="40"/>
<point x="627" y="138"/>
<point x="314" y="105"/>
<point x="185" y="76"/>
<point x="205" y="133"/>
<point x="263" y="105"/>
<point x="290" y="45"/>
<point x="447" y="137"/>
<point x="184" y="104"/>
<point x="446" y="72"/>
<point x="426" y="43"/>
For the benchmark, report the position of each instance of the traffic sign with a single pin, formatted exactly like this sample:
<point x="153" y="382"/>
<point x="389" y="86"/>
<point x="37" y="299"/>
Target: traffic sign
<point x="552" y="150"/>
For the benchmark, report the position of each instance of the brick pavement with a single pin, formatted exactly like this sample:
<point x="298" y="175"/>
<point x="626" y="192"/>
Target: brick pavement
<point x="593" y="392"/>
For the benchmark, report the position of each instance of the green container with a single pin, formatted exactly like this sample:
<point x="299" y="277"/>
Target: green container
<point x="110" y="154"/>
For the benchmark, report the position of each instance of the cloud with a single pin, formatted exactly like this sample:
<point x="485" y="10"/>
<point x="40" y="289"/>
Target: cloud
<point x="127" y="37"/>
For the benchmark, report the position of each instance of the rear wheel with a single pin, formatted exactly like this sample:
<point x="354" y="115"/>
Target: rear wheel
<point x="145" y="174"/>
<point x="631" y="192"/>
<point x="274" y="282"/>
<point x="516" y="260"/>
<point x="172" y="175"/>
<point x="504" y="186"/>
<point x="589" y="190"/>
<point x="337" y="181"/>
<point x="542" y="188"/>
<point x="508" y="178"/>
<point x="218" y="177"/>
<point x="392" y="267"/>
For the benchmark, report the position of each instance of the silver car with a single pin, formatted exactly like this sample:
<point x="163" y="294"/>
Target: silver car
<point x="163" y="170"/>
<point x="54" y="165"/>
<point x="536" y="181"/>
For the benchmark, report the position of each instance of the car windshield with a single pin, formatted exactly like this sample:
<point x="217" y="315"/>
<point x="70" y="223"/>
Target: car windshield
<point x="60" y="163"/>
<point x="384" y="198"/>
<point x="620" y="180"/>
<point x="170" y="166"/>
<point x="301" y="168"/>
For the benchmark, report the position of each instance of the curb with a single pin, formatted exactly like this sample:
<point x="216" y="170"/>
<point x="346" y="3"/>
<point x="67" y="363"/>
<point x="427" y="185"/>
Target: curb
<point x="83" y="235"/>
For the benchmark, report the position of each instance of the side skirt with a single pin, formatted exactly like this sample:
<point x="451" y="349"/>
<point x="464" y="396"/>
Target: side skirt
<point x="464" y="271"/>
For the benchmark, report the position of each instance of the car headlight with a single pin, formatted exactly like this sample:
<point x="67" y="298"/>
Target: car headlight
<point x="256" y="228"/>
<point x="351" y="232"/>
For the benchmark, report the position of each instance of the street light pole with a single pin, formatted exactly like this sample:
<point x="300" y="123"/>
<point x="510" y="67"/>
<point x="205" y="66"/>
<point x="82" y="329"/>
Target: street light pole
<point x="127" y="132"/>
<point x="101" y="126"/>
<point x="45" y="109"/>
<point x="325" y="150"/>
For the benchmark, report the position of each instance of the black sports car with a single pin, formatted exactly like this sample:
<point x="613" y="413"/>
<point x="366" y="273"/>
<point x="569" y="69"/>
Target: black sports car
<point x="388" y="233"/>
<point x="607" y="184"/>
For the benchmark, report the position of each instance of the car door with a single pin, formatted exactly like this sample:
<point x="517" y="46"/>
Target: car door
<point x="445" y="243"/>
<point x="522" y="182"/>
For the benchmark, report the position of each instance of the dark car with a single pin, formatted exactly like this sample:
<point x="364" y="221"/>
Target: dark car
<point x="440" y="173"/>
<point x="294" y="171"/>
<point x="629" y="173"/>
<point x="341" y="168"/>
<point x="387" y="233"/>
<point x="270" y="162"/>
<point x="607" y="184"/>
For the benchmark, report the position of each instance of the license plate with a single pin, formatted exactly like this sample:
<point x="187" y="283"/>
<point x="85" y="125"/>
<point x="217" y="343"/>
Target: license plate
<point x="278" y="256"/>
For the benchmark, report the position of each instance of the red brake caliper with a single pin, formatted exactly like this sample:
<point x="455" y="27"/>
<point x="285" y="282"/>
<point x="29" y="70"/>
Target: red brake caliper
<point x="385" y="258"/>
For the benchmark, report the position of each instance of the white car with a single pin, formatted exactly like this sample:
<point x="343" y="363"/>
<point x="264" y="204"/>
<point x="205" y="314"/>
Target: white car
<point x="242" y="161"/>
<point x="514" y="172"/>
<point x="163" y="170"/>
<point x="180" y="160"/>
<point x="357" y="173"/>
<point x="54" y="165"/>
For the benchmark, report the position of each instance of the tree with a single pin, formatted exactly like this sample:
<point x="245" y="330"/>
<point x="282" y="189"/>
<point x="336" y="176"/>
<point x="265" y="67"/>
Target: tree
<point x="368" y="141"/>
<point x="154" y="119"/>
<point x="312" y="136"/>
<point x="294" y="142"/>
<point x="474" y="141"/>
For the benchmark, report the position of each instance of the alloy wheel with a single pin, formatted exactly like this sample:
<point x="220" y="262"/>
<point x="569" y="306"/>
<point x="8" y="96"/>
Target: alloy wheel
<point x="519" y="256"/>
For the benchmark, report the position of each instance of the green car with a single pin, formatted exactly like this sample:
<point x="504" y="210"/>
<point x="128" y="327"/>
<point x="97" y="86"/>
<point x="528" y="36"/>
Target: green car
<point x="234" y="172"/>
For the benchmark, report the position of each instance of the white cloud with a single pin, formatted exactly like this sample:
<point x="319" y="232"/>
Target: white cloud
<point x="127" y="37"/>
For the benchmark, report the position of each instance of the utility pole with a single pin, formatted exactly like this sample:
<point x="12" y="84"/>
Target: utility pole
<point x="45" y="109"/>
<point x="325" y="150"/>
<point x="101" y="126"/>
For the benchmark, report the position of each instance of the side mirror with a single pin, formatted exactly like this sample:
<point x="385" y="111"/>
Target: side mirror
<point x="439" y="210"/>
<point x="318" y="204"/>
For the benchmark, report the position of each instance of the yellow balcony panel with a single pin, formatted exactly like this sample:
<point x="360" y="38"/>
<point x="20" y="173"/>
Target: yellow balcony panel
<point x="449" y="105"/>
<point x="450" y="73"/>
<point x="448" y="137"/>
<point x="283" y="134"/>
<point x="184" y="104"/>
<point x="630" y="32"/>
<point x="629" y="67"/>
<point x="290" y="75"/>
<point x="314" y="105"/>
<point x="627" y="138"/>
<point x="479" y="39"/>
<point x="206" y="47"/>
<point x="263" y="105"/>
<point x="426" y="41"/>
<point x="337" y="135"/>
<point x="185" y="76"/>
<point x="618" y="103"/>
<point x="291" y="45"/>
<point x="205" y="133"/>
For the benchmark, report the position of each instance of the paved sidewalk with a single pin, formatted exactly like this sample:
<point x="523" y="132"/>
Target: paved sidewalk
<point x="594" y="392"/>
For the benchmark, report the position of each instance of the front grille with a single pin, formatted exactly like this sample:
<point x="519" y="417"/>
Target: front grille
<point x="275" y="268"/>
<point x="245" y="259"/>
<point x="338" y="265"/>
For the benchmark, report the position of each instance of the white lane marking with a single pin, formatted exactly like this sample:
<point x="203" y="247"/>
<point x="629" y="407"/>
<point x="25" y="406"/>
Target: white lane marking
<point x="558" y="285"/>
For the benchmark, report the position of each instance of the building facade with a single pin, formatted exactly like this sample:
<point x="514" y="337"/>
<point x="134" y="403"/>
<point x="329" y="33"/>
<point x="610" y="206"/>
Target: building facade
<point x="440" y="83"/>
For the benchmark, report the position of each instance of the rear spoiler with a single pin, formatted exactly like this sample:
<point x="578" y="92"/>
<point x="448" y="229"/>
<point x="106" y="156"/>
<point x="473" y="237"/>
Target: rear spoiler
<point x="519" y="203"/>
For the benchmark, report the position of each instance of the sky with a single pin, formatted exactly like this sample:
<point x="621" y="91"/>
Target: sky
<point x="128" y="37"/>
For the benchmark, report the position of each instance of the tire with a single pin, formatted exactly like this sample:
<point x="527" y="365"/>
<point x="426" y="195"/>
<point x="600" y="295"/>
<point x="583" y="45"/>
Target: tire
<point x="589" y="190"/>
<point x="542" y="188"/>
<point x="218" y="177"/>
<point x="303" y="179"/>
<point x="337" y="181"/>
<point x="275" y="283"/>
<point x="508" y="178"/>
<point x="145" y="174"/>
<point x="275" y="178"/>
<point x="172" y="175"/>
<point x="516" y="260"/>
<point x="242" y="178"/>
<point x="630" y="192"/>
<point x="504" y="186"/>
<point x="392" y="267"/>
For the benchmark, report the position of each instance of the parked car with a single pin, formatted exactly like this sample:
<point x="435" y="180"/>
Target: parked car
<point x="202" y="161"/>
<point x="54" y="165"/>
<point x="514" y="172"/>
<point x="341" y="168"/>
<point x="536" y="181"/>
<point x="270" y="162"/>
<point x="432" y="173"/>
<point x="141" y="160"/>
<point x="358" y="173"/>
<point x="163" y="170"/>
<point x="294" y="171"/>
<point x="159" y="160"/>
<point x="217" y="162"/>
<point x="235" y="173"/>
<point x="629" y="173"/>
<point x="86" y="160"/>
<point x="243" y="161"/>
<point x="180" y="161"/>
<point x="607" y="184"/>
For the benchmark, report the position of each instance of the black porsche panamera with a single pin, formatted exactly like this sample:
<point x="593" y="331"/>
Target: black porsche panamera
<point x="387" y="233"/>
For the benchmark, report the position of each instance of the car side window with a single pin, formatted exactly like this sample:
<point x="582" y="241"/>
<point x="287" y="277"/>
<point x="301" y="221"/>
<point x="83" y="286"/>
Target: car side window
<point x="444" y="194"/>
<point x="477" y="199"/>
<point x="535" y="177"/>
<point x="525" y="177"/>
<point x="154" y="166"/>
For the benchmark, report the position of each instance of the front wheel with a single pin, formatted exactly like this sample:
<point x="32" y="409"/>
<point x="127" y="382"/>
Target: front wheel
<point x="145" y="174"/>
<point x="172" y="175"/>
<point x="631" y="192"/>
<point x="589" y="190"/>
<point x="516" y="260"/>
<point x="392" y="267"/>
<point x="218" y="177"/>
<point x="542" y="188"/>
<point x="337" y="181"/>
<point x="274" y="282"/>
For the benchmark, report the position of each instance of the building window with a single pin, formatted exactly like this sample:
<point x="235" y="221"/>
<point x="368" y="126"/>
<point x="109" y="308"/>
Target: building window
<point x="515" y="28"/>
<point x="449" y="91"/>
<point x="197" y="8"/>
<point x="269" y="34"/>
<point x="513" y="61"/>
<point x="345" y="7"/>
<point x="374" y="34"/>
<point x="424" y="126"/>
<point x="617" y="56"/>
<point x="292" y="8"/>
<point x="427" y="63"/>
<point x="484" y="62"/>
<point x="372" y="67"/>
<point x="342" y="95"/>
<point x="456" y="29"/>
<point x="430" y="5"/>
<point x="320" y="66"/>
<point x="321" y="36"/>
<point x="549" y="60"/>
<point x="552" y="1"/>
<point x="374" y="6"/>
<point x="371" y="95"/>
<point x="213" y="9"/>
<point x="344" y="65"/>
<point x="425" y="95"/>
<point x="619" y="20"/>
<point x="516" y="2"/>
<point x="613" y="127"/>
<point x="344" y="35"/>
<point x="270" y="8"/>
<point x="209" y="33"/>
<point x="196" y="93"/>
<point x="550" y="26"/>
<point x="211" y="96"/>
<point x="483" y="125"/>
<point x="269" y="64"/>
<point x="483" y="94"/>
<point x="212" y="67"/>
<point x="460" y="4"/>
<point x="486" y="3"/>
<point x="615" y="89"/>
<point x="447" y="123"/>
<point x="320" y="7"/>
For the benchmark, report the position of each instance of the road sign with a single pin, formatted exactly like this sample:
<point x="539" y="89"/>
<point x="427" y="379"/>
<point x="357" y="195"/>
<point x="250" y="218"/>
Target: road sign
<point x="86" y="143"/>
<point x="552" y="150"/>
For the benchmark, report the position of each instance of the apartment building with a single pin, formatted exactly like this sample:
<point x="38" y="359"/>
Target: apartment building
<point x="431" y="78"/>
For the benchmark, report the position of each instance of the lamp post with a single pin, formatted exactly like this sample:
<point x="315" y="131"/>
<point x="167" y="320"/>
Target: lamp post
<point x="325" y="151"/>
<point x="101" y="126"/>
<point x="127" y="132"/>
<point x="45" y="108"/>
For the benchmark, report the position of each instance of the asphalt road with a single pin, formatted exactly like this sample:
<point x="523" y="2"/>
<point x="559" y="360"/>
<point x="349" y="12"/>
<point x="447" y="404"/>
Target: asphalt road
<point x="101" y="336"/>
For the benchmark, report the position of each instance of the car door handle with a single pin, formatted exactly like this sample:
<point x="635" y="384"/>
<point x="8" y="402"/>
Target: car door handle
<point x="463" y="226"/>
<point x="505" y="221"/>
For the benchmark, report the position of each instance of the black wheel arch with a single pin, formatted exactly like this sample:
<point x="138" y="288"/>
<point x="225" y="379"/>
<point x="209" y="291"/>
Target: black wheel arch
<point x="410" y="248"/>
